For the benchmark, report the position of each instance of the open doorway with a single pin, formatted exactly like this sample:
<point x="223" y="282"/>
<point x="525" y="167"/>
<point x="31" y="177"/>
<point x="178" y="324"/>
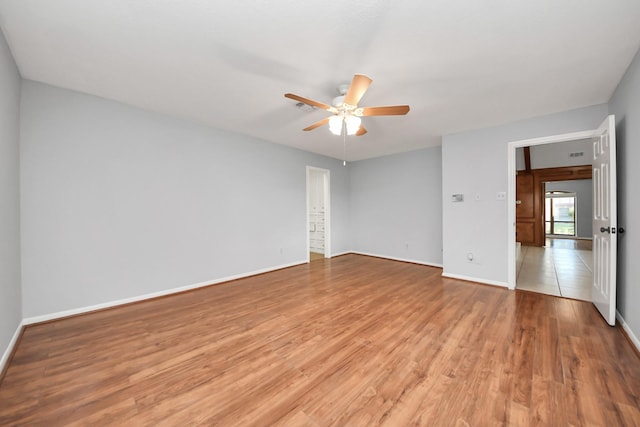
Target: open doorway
<point x="563" y="264"/>
<point x="553" y="219"/>
<point x="318" y="214"/>
<point x="545" y="255"/>
<point x="604" y="214"/>
<point x="561" y="211"/>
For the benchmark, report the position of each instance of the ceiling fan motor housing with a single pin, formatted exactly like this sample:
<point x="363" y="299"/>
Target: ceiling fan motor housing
<point x="343" y="88"/>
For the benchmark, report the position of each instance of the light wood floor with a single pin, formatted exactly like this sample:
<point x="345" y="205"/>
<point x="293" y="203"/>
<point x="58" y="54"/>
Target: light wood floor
<point x="349" y="341"/>
<point x="313" y="256"/>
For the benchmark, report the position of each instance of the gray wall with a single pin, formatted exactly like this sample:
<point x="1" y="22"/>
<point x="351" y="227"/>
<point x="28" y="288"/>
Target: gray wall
<point x="584" y="199"/>
<point x="475" y="162"/>
<point x="10" y="292"/>
<point x="625" y="104"/>
<point x="118" y="202"/>
<point x="396" y="206"/>
<point x="556" y="155"/>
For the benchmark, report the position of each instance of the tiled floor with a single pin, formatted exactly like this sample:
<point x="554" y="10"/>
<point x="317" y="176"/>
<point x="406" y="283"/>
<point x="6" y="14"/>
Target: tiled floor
<point x="562" y="268"/>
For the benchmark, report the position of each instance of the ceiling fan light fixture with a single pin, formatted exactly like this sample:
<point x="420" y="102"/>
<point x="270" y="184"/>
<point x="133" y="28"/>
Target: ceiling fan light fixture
<point x="353" y="124"/>
<point x="335" y="125"/>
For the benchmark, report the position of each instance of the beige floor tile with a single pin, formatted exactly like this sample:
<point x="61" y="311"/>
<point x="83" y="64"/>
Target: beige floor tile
<point x="587" y="258"/>
<point x="581" y="294"/>
<point x="575" y="285"/>
<point x="557" y="269"/>
<point x="574" y="275"/>
<point x="573" y="278"/>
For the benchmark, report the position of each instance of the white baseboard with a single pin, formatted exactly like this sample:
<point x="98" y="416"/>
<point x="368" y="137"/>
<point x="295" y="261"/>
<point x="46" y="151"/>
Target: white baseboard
<point x="412" y="261"/>
<point x="475" y="279"/>
<point x="10" y="347"/>
<point x="634" y="339"/>
<point x="110" y="304"/>
<point x="341" y="253"/>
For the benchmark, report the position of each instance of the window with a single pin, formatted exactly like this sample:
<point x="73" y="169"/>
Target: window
<point x="560" y="213"/>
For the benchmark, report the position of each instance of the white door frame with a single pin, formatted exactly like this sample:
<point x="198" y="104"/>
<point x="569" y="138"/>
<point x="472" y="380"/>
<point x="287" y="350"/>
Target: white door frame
<point x="326" y="173"/>
<point x="511" y="190"/>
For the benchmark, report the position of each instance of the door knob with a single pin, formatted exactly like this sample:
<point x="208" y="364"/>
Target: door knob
<point x="620" y="230"/>
<point x="605" y="230"/>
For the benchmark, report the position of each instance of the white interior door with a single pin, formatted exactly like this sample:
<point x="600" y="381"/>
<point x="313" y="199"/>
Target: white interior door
<point x="603" y="292"/>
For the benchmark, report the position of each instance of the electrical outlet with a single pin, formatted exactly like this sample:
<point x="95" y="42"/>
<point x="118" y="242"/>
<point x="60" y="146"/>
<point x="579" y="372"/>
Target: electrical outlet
<point x="501" y="195"/>
<point x="472" y="258"/>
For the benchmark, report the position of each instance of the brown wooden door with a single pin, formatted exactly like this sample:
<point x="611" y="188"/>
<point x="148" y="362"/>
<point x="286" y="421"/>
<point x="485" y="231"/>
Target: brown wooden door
<point x="525" y="212"/>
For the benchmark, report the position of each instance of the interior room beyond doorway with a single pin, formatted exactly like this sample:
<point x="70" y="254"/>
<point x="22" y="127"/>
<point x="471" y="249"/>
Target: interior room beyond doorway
<point x="553" y="219"/>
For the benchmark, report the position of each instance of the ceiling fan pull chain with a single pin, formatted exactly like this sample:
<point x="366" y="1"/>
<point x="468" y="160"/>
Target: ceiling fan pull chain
<point x="344" y="143"/>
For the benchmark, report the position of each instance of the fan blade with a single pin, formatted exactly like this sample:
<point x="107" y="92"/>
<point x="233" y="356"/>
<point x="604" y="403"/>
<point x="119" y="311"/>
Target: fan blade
<point x="396" y="110"/>
<point x="361" y="131"/>
<point x="308" y="101"/>
<point x="317" y="124"/>
<point x="358" y="87"/>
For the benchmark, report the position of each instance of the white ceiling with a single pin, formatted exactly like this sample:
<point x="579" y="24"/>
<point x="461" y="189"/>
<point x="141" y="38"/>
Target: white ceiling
<point x="459" y="64"/>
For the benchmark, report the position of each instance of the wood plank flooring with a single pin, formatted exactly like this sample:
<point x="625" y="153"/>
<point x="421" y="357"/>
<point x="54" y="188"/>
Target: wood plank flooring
<point x="353" y="340"/>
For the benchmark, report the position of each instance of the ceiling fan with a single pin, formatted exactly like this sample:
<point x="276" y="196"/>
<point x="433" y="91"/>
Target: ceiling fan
<point x="346" y="113"/>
